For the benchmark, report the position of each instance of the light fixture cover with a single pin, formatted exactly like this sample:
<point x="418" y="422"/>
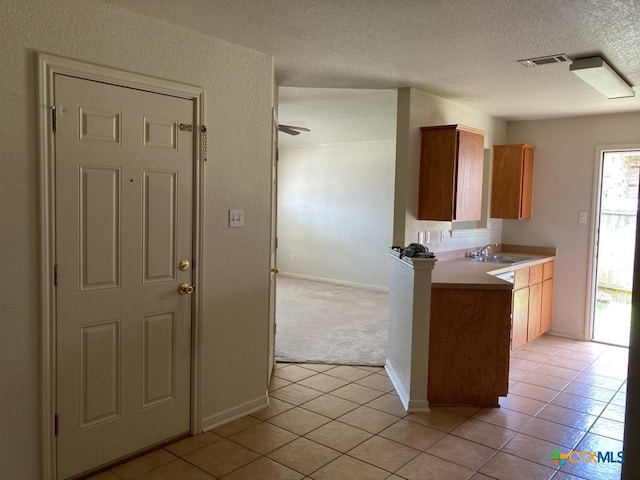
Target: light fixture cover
<point x="599" y="74"/>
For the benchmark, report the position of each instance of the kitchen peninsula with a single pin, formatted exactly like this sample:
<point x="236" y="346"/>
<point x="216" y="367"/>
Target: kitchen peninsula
<point x="469" y="327"/>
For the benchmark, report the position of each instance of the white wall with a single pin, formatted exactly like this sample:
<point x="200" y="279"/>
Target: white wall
<point x="238" y="84"/>
<point x="564" y="171"/>
<point x="335" y="206"/>
<point x="419" y="109"/>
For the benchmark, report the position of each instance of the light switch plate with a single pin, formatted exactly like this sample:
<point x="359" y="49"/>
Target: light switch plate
<point x="421" y="238"/>
<point x="236" y="218"/>
<point x="582" y="218"/>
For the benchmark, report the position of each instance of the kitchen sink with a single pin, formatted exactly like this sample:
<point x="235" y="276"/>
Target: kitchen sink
<point x="508" y="259"/>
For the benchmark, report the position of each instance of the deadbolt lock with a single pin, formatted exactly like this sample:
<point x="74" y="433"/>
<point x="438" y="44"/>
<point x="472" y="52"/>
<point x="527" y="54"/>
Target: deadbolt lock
<point x="184" y="265"/>
<point x="185" y="289"/>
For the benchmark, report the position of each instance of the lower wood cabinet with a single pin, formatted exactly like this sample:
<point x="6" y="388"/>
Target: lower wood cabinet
<point x="469" y="347"/>
<point x="520" y="320"/>
<point x="532" y="303"/>
<point x="473" y="330"/>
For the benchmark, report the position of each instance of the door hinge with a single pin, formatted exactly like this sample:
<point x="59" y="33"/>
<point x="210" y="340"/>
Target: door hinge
<point x="55" y="424"/>
<point x="53" y="117"/>
<point x="55" y="275"/>
<point x="185" y="127"/>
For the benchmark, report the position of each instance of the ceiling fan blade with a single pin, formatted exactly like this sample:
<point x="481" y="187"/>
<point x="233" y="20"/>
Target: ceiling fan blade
<point x="286" y="129"/>
<point x="292" y="130"/>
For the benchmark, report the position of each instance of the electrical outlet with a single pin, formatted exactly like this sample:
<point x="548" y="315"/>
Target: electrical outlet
<point x="494" y="232"/>
<point x="427" y="236"/>
<point x="443" y="235"/>
<point x="236" y="218"/>
<point x="421" y="238"/>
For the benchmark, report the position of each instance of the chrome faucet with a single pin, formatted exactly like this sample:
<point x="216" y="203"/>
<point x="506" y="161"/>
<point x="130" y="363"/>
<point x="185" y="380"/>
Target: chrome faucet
<point x="482" y="252"/>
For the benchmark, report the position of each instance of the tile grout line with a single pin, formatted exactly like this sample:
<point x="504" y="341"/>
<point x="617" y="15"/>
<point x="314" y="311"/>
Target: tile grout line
<point x="521" y="430"/>
<point x="382" y="393"/>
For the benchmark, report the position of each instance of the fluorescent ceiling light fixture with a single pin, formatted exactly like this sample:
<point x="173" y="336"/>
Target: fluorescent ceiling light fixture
<point x="599" y="74"/>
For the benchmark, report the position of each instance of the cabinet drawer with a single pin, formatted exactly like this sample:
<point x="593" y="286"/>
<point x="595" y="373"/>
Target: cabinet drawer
<point x="521" y="278"/>
<point x="547" y="270"/>
<point x="535" y="274"/>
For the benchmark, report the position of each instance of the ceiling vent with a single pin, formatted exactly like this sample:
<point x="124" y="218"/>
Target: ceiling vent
<point x="536" y="62"/>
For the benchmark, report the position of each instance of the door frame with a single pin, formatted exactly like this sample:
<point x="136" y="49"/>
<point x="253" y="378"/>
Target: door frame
<point x="273" y="248"/>
<point x="594" y="226"/>
<point x="48" y="66"/>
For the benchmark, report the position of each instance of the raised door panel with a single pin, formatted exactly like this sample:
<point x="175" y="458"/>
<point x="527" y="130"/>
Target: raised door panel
<point x="159" y="342"/>
<point x="100" y="226"/>
<point x="437" y="174"/>
<point x="469" y="176"/>
<point x="520" y="317"/>
<point x="535" y="311"/>
<point x="547" y="306"/>
<point x="99" y="373"/>
<point x="159" y="212"/>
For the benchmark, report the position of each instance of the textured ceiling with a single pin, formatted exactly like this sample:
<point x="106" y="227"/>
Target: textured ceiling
<point x="462" y="50"/>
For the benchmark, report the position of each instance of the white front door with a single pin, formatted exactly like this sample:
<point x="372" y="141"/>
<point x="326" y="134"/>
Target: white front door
<point x="124" y="213"/>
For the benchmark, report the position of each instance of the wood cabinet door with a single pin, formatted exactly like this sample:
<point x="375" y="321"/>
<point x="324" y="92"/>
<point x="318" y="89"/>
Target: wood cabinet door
<point x="521" y="278"/>
<point x="506" y="181"/>
<point x="548" y="270"/>
<point x="535" y="274"/>
<point x="520" y="317"/>
<point x="437" y="174"/>
<point x="547" y="305"/>
<point x="535" y="311"/>
<point x="526" y="197"/>
<point x="451" y="169"/>
<point x="468" y="204"/>
<point x="512" y="181"/>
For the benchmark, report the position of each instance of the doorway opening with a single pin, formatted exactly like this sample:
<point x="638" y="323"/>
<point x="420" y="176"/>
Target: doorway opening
<point x="614" y="246"/>
<point x="334" y="224"/>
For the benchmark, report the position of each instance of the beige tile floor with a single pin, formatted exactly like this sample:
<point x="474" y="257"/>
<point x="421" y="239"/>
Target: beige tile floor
<point x="328" y="422"/>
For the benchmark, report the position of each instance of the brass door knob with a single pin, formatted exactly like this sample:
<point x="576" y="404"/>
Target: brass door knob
<point x="185" y="289"/>
<point x="183" y="265"/>
<point x="275" y="270"/>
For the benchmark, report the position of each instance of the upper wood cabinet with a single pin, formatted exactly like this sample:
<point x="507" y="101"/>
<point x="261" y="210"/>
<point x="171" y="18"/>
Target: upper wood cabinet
<point x="451" y="164"/>
<point x="512" y="181"/>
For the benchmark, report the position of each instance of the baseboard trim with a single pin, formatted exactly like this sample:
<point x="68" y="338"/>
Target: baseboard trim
<point x="408" y="404"/>
<point x="234" y="413"/>
<point x="397" y="384"/>
<point x="418" y="406"/>
<point x="573" y="336"/>
<point x="343" y="283"/>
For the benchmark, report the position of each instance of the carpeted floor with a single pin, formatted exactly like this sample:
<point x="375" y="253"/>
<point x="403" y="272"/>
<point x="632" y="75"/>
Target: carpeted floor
<point x="326" y="323"/>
